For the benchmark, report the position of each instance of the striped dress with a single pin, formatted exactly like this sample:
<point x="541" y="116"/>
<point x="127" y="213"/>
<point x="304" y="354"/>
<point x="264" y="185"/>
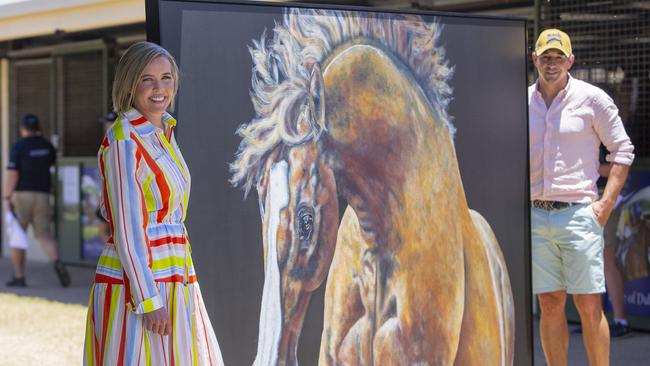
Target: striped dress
<point x="146" y="264"/>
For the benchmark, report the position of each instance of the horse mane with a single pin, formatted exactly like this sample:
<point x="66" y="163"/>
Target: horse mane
<point x="281" y="74"/>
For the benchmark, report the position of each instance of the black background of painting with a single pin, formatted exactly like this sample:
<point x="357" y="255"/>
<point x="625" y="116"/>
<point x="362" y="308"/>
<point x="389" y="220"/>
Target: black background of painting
<point x="489" y="109"/>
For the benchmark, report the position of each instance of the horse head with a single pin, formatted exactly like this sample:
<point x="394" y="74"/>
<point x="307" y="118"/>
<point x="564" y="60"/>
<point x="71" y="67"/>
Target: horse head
<point x="299" y="209"/>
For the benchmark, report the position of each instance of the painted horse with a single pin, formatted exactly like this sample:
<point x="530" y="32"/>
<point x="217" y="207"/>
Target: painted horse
<point x="354" y="104"/>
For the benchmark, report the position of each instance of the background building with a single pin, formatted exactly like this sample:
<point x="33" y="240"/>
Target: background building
<point x="56" y="61"/>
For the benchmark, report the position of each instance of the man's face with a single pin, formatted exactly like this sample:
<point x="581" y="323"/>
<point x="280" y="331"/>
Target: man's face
<point x="553" y="66"/>
<point x="25" y="132"/>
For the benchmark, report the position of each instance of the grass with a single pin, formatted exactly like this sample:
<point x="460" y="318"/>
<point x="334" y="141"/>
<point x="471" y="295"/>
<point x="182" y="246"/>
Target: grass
<point x="35" y="331"/>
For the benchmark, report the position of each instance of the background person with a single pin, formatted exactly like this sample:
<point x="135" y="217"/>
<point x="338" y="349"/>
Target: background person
<point x="28" y="184"/>
<point x="619" y="327"/>
<point x="145" y="280"/>
<point x="568" y="120"/>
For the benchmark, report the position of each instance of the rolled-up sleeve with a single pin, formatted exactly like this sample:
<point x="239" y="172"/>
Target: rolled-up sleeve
<point x="14" y="159"/>
<point x="124" y="202"/>
<point x="610" y="130"/>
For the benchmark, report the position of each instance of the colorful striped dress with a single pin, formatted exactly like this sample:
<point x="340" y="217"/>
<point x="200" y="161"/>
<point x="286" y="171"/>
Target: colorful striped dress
<point x="147" y="263"/>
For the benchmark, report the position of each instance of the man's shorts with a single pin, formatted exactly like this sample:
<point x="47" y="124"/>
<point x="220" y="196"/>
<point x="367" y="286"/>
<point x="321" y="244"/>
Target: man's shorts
<point x="33" y="208"/>
<point x="567" y="250"/>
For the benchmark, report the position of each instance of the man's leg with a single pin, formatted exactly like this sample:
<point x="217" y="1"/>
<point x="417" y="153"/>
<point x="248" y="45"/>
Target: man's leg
<point x="22" y="212"/>
<point x="595" y="332"/>
<point x="549" y="285"/>
<point x="584" y="269"/>
<point x="554" y="331"/>
<point x="18" y="262"/>
<point x="48" y="243"/>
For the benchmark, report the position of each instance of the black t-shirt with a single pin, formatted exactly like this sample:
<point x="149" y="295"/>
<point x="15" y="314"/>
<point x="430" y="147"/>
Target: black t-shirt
<point x="32" y="157"/>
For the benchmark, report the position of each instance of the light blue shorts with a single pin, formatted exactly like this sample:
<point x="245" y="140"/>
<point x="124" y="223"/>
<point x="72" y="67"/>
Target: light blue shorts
<point x="567" y="251"/>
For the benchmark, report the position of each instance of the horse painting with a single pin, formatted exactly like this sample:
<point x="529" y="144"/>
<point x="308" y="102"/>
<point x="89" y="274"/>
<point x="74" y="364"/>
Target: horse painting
<point x="355" y="104"/>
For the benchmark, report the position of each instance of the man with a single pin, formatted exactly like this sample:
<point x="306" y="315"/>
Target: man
<point x="27" y="194"/>
<point x="568" y="120"/>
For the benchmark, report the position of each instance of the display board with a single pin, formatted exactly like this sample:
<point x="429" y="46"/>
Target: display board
<point x="359" y="181"/>
<point x="631" y="241"/>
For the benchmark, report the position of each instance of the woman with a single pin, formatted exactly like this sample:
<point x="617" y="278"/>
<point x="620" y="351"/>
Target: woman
<point x="145" y="306"/>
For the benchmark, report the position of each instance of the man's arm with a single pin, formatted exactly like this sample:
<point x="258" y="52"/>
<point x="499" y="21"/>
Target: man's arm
<point x="11" y="181"/>
<point x="604" y="206"/>
<point x="13" y="171"/>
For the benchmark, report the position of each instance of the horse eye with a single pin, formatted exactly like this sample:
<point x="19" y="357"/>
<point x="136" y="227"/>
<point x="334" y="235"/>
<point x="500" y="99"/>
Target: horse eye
<point x="305" y="224"/>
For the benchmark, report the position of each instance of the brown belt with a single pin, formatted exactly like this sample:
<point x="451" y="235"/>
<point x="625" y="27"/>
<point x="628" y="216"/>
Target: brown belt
<point x="551" y="205"/>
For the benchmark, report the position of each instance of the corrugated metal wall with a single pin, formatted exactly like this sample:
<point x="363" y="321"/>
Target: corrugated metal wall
<point x="68" y="92"/>
<point x="32" y="92"/>
<point x="83" y="102"/>
<point x="611" y="41"/>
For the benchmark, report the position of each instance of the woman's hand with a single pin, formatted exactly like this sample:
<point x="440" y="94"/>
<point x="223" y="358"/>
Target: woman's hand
<point x="158" y="321"/>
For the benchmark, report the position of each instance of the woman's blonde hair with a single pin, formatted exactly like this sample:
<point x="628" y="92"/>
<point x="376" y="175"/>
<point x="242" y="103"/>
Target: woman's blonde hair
<point x="129" y="71"/>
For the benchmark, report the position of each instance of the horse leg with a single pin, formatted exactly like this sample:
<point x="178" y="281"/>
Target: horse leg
<point x="487" y="332"/>
<point x="343" y="304"/>
<point x="356" y="348"/>
<point x="388" y="345"/>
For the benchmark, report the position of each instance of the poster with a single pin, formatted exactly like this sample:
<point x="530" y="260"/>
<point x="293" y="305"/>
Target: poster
<point x="459" y="74"/>
<point x="92" y="245"/>
<point x="632" y="243"/>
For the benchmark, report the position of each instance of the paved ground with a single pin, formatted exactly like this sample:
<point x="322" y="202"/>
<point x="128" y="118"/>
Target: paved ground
<point x="630" y="351"/>
<point x="42" y="282"/>
<point x="633" y="350"/>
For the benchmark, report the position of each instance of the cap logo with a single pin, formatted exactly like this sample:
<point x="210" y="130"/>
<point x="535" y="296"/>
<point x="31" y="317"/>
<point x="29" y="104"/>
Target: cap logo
<point x="554" y="39"/>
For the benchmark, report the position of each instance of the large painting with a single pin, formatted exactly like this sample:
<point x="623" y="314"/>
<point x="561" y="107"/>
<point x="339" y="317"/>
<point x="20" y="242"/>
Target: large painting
<point x="360" y="182"/>
<point x="357" y="103"/>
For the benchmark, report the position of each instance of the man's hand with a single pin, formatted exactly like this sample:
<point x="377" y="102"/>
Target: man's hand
<point x="8" y="206"/>
<point x="602" y="211"/>
<point x="604" y="206"/>
<point x="158" y="321"/>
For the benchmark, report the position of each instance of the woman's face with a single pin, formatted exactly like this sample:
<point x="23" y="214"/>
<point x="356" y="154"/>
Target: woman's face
<point x="155" y="88"/>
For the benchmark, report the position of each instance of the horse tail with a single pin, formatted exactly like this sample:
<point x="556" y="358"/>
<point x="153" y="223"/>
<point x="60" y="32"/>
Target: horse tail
<point x="501" y="283"/>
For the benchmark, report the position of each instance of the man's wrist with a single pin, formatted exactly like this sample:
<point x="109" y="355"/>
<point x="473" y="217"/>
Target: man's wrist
<point x="606" y="205"/>
<point x="607" y="201"/>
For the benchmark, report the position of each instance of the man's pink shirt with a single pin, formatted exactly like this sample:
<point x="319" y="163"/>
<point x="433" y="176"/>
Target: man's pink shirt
<point x="565" y="140"/>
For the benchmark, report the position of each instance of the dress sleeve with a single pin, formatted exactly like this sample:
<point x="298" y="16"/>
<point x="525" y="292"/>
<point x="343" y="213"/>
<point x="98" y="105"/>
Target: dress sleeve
<point x="126" y="210"/>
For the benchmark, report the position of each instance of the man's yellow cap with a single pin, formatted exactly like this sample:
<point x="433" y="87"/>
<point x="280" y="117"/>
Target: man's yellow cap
<point x="553" y="39"/>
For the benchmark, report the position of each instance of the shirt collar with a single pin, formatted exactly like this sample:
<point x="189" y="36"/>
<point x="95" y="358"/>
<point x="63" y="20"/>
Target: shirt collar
<point x="562" y="92"/>
<point x="567" y="88"/>
<point x="142" y="126"/>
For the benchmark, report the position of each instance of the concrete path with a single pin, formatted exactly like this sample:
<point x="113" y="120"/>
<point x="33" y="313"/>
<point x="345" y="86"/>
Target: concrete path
<point x="42" y="282"/>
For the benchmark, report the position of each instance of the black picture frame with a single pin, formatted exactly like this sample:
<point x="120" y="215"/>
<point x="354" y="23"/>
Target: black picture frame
<point x="211" y="269"/>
